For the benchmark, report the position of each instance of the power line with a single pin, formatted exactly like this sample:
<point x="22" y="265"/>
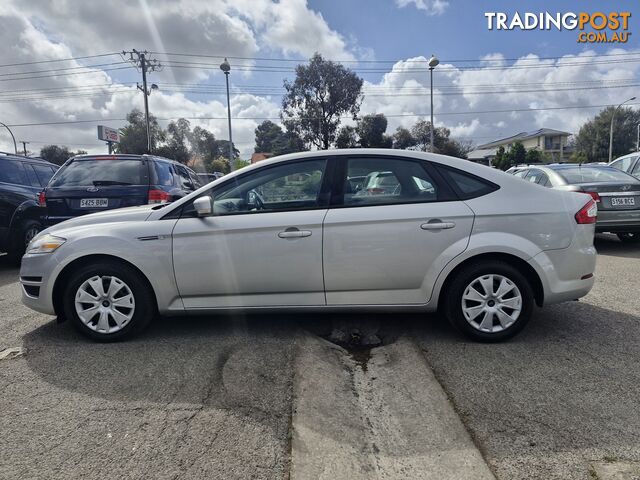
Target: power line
<point x="57" y="60"/>
<point x="66" y="74"/>
<point x="469" y="112"/>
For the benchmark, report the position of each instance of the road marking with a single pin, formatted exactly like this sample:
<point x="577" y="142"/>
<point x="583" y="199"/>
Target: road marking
<point x="11" y="352"/>
<point x="389" y="420"/>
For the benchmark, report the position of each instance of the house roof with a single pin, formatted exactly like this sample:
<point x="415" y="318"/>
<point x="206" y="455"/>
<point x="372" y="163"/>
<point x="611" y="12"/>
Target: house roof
<point x="523" y="136"/>
<point x="481" y="153"/>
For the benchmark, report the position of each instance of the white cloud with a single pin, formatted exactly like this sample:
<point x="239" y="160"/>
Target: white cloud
<point x="430" y="7"/>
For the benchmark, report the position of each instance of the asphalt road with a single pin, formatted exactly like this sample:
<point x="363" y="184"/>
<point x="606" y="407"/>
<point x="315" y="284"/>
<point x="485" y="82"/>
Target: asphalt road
<point x="213" y="397"/>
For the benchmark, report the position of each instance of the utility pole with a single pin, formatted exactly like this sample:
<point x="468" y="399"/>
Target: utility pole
<point x="24" y="147"/>
<point x="144" y="64"/>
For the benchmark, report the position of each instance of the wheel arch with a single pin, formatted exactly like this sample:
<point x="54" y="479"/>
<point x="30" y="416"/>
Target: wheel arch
<point x="80" y="262"/>
<point x="523" y="266"/>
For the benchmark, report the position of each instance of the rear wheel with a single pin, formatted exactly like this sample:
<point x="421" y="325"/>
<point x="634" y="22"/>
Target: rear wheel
<point x="108" y="301"/>
<point x="489" y="301"/>
<point x="630" y="237"/>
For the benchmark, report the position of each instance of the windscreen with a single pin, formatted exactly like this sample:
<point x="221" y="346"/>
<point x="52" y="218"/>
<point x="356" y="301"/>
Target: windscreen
<point x="81" y="173"/>
<point x="593" y="175"/>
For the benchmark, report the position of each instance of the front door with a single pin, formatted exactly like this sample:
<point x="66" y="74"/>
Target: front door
<point x="262" y="246"/>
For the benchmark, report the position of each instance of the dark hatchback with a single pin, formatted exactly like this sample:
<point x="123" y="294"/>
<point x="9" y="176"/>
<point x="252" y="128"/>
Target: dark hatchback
<point x="21" y="179"/>
<point x="616" y="193"/>
<point x="93" y="183"/>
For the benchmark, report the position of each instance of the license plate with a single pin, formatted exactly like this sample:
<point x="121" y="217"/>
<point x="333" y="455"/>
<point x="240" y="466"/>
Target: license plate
<point x="94" y="202"/>
<point x="623" y="201"/>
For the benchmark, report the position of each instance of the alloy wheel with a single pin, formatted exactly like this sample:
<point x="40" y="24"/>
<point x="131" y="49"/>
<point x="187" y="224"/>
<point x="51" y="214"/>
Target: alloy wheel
<point x="491" y="303"/>
<point x="105" y="304"/>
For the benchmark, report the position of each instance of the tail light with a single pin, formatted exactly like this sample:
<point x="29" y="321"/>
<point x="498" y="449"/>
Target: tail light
<point x="158" y="196"/>
<point x="42" y="199"/>
<point x="594" y="195"/>
<point x="587" y="214"/>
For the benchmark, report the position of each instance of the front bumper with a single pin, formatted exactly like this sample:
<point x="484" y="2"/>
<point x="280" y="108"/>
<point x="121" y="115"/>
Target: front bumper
<point x="618" y="221"/>
<point x="37" y="275"/>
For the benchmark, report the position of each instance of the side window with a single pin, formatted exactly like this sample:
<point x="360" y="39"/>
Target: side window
<point x="44" y="173"/>
<point x="12" y="171"/>
<point x="31" y="175"/>
<point x="290" y="186"/>
<point x="521" y="173"/>
<point x="543" y="180"/>
<point x="183" y="176"/>
<point x="195" y="180"/>
<point x="466" y="184"/>
<point x="387" y="181"/>
<point x="636" y="169"/>
<point x="533" y="176"/>
<point x="163" y="174"/>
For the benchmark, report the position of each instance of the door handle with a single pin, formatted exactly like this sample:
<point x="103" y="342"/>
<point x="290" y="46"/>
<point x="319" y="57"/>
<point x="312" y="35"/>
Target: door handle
<point x="437" y="225"/>
<point x="294" y="233"/>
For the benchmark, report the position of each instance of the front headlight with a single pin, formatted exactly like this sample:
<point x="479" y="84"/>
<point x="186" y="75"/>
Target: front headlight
<point x="45" y="244"/>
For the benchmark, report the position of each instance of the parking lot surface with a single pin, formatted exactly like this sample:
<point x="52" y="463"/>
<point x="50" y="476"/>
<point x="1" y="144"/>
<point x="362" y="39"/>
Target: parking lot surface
<point x="217" y="397"/>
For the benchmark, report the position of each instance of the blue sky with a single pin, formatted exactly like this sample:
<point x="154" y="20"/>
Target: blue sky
<point x="490" y="101"/>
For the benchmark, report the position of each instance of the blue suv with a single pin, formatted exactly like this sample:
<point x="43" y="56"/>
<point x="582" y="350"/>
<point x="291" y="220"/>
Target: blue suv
<point x="93" y="183"/>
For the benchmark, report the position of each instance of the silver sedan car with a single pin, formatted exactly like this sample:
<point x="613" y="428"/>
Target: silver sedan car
<point x="290" y="233"/>
<point x="616" y="193"/>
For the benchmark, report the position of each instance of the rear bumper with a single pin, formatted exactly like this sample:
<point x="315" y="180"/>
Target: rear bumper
<point x="568" y="273"/>
<point x="618" y="221"/>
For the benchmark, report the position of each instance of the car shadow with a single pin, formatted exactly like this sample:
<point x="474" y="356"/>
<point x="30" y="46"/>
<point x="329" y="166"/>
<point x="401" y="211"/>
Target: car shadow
<point x="607" y="244"/>
<point x="8" y="272"/>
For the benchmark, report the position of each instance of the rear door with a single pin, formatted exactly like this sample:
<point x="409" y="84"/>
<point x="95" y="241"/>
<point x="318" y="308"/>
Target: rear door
<point x="387" y="247"/>
<point x="91" y="184"/>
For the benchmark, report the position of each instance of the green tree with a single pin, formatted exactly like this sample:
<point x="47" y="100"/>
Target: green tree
<point x="268" y="134"/>
<point x="534" y="155"/>
<point x="133" y="137"/>
<point x="593" y="138"/>
<point x="177" y="141"/>
<point x="347" y="137"/>
<point x="403" y="139"/>
<point x="442" y="142"/>
<point x="58" y="154"/>
<point x="321" y="93"/>
<point x="517" y="154"/>
<point x="371" y="131"/>
<point x="500" y="160"/>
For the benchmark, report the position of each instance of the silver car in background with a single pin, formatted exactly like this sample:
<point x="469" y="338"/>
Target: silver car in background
<point x="290" y="233"/>
<point x="616" y="193"/>
<point x="628" y="163"/>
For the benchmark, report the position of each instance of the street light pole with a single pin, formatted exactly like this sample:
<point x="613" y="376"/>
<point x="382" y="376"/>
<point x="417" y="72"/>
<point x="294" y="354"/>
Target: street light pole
<point x="613" y="115"/>
<point x="226" y="68"/>
<point x="433" y="63"/>
<point x="15" y="145"/>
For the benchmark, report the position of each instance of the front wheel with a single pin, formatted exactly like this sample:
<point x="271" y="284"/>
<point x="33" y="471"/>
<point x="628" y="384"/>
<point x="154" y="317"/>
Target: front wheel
<point x="630" y="237"/>
<point x="108" y="301"/>
<point x="490" y="301"/>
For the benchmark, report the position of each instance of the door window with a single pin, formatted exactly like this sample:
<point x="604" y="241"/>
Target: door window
<point x="636" y="170"/>
<point x="12" y="172"/>
<point x="290" y="186"/>
<point x="44" y="173"/>
<point x="388" y="181"/>
<point x="183" y="175"/>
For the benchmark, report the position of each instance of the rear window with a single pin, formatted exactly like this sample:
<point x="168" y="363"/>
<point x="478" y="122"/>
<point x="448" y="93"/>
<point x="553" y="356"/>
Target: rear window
<point x="85" y="173"/>
<point x="466" y="184"/>
<point x="44" y="173"/>
<point x="592" y="174"/>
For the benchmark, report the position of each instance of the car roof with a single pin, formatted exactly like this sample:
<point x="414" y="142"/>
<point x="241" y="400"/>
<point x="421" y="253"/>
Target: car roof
<point x="123" y="156"/>
<point x="22" y="158"/>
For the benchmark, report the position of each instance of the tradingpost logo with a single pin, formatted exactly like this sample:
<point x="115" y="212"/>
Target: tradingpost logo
<point x="596" y="27"/>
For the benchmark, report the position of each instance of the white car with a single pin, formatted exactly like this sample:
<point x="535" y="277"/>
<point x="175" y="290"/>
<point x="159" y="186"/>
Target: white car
<point x="290" y="234"/>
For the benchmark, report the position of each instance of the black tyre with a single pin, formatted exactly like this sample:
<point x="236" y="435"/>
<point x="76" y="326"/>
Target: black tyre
<point x="631" y="237"/>
<point x="21" y="238"/>
<point x="489" y="301"/>
<point x="108" y="301"/>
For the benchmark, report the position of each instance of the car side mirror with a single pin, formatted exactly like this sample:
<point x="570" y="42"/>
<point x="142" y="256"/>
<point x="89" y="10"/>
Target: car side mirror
<point x="203" y="206"/>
